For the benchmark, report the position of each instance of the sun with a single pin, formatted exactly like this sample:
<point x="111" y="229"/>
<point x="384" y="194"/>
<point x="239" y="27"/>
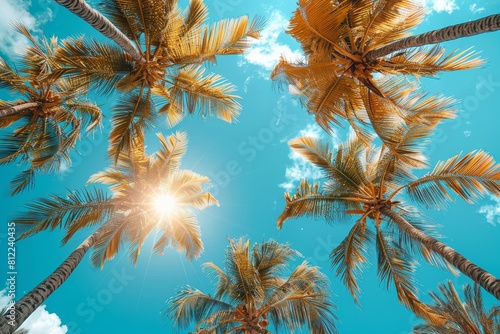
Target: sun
<point x="165" y="204"/>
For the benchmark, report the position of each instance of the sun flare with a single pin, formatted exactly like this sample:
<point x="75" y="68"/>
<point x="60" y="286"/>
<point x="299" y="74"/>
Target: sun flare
<point x="165" y="204"/>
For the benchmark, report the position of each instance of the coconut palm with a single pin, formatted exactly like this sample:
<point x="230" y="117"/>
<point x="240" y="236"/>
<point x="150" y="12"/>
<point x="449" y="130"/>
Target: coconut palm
<point x="149" y="193"/>
<point x="369" y="183"/>
<point x="172" y="47"/>
<point x="47" y="116"/>
<point x="351" y="59"/>
<point x="254" y="290"/>
<point x="468" y="317"/>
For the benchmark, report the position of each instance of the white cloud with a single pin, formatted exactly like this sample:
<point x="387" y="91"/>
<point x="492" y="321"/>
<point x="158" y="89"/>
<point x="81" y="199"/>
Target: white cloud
<point x="40" y="322"/>
<point x="474" y="8"/>
<point x="300" y="168"/>
<point x="267" y="51"/>
<point x="17" y="11"/>
<point x="492" y="211"/>
<point x="4" y="299"/>
<point x="440" y="5"/>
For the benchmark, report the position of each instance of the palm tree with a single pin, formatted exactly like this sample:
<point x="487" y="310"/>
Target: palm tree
<point x="148" y="193"/>
<point x="172" y="47"/>
<point x="48" y="115"/>
<point x="255" y="290"/>
<point x="469" y="317"/>
<point x="352" y="61"/>
<point x="369" y="183"/>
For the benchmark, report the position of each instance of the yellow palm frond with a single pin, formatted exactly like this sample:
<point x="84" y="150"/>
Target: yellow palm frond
<point x="240" y="266"/>
<point x="350" y="255"/>
<point x="185" y="234"/>
<point x="77" y="210"/>
<point x="467" y="316"/>
<point x="310" y="202"/>
<point x="226" y="37"/>
<point x="388" y="21"/>
<point x="168" y="157"/>
<point x="209" y="95"/>
<point x="469" y="177"/>
<point x="318" y="24"/>
<point x="102" y="65"/>
<point x="394" y="266"/>
<point x="427" y="62"/>
<point x="131" y="115"/>
<point x="343" y="167"/>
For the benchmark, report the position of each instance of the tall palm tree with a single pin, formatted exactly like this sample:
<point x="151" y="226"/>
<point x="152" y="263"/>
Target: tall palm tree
<point x="48" y="114"/>
<point x="369" y="183"/>
<point x="463" y="317"/>
<point x="348" y="63"/>
<point x="149" y="193"/>
<point x="255" y="290"/>
<point x="173" y="46"/>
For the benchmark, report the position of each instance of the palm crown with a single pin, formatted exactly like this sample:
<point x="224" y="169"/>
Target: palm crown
<point x="139" y="184"/>
<point x="48" y="116"/>
<point x="255" y="290"/>
<point x="338" y="81"/>
<point x="173" y="45"/>
<point x="368" y="183"/>
<point x="463" y="317"/>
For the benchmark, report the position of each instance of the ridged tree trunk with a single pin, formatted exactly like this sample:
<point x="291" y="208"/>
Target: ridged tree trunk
<point x="489" y="282"/>
<point x="486" y="24"/>
<point x="36" y="297"/>
<point x="102" y="24"/>
<point x="18" y="109"/>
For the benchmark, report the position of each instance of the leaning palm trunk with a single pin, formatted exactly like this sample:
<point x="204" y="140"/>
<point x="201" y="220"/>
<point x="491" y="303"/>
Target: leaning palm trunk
<point x="32" y="300"/>
<point x="486" y="24"/>
<point x="102" y="24"/>
<point x="18" y="109"/>
<point x="489" y="282"/>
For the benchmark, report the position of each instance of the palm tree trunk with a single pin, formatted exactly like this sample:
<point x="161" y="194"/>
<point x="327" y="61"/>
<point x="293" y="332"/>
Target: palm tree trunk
<point x="486" y="24"/>
<point x="477" y="274"/>
<point x="102" y="24"/>
<point x="18" y="109"/>
<point x="32" y="300"/>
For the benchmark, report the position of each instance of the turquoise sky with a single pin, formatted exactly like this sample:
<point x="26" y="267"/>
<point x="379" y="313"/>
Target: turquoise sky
<point x="250" y="165"/>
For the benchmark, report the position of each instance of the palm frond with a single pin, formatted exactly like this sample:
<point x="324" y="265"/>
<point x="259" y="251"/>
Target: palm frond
<point x="191" y="305"/>
<point x="297" y="309"/>
<point x="109" y="242"/>
<point x="270" y="259"/>
<point x="342" y="167"/>
<point x="240" y="267"/>
<point x="394" y="266"/>
<point x="317" y="24"/>
<point x="209" y="95"/>
<point x="131" y="116"/>
<point x="388" y="21"/>
<point x="23" y="181"/>
<point x="423" y="62"/>
<point x="102" y="65"/>
<point x="185" y="233"/>
<point x="350" y="255"/>
<point x="467" y="317"/>
<point x="309" y="201"/>
<point x="82" y="208"/>
<point x="169" y="156"/>
<point x="230" y="36"/>
<point x="91" y="114"/>
<point x="225" y="287"/>
<point x="469" y="177"/>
